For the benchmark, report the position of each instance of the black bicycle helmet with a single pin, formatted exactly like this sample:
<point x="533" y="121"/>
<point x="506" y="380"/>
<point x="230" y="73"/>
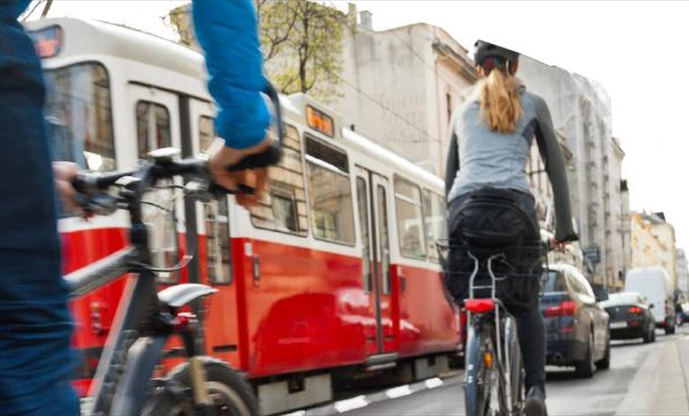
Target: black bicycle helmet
<point x="485" y="50"/>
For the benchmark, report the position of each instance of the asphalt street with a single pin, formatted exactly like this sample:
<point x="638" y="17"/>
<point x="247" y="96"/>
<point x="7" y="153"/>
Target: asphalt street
<point x="643" y="379"/>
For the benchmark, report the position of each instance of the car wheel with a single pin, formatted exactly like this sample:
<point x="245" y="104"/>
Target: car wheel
<point x="604" y="363"/>
<point x="669" y="330"/>
<point x="586" y="367"/>
<point x="650" y="334"/>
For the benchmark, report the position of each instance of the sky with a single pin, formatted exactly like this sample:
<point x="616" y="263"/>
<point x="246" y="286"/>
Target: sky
<point x="636" y="50"/>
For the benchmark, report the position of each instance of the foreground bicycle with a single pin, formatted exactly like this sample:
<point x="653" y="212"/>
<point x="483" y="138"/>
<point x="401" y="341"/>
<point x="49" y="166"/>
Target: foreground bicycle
<point x="146" y="319"/>
<point x="494" y="377"/>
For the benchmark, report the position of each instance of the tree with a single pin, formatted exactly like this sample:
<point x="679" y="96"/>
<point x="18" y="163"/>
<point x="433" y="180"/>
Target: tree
<point x="301" y="42"/>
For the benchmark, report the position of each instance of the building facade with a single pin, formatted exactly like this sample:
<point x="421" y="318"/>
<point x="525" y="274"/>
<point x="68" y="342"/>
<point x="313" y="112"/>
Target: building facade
<point x="682" y="271"/>
<point x="581" y="115"/>
<point x="653" y="243"/>
<point x="400" y="87"/>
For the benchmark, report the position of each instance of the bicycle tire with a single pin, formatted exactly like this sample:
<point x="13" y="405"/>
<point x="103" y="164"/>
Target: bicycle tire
<point x="516" y="379"/>
<point x="235" y="395"/>
<point x="479" y="385"/>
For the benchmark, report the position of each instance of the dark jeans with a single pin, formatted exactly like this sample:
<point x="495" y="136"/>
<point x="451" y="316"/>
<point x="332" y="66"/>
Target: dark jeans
<point x="530" y="325"/>
<point x="35" y="325"/>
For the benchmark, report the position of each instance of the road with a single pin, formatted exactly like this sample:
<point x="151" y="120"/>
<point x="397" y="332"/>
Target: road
<point x="643" y="379"/>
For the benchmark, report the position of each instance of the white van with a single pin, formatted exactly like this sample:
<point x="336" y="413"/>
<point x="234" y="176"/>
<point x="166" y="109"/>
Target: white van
<point x="654" y="283"/>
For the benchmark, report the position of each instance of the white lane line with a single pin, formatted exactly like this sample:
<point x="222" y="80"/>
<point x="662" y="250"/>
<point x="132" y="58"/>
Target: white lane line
<point x="351" y="404"/>
<point x="398" y="392"/>
<point x="434" y="382"/>
<point x="297" y="413"/>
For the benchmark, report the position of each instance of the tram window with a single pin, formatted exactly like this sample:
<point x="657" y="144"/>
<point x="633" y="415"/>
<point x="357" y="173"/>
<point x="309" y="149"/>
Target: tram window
<point x="330" y="193"/>
<point x="79" y="115"/>
<point x="153" y="132"/>
<point x="283" y="207"/>
<point x="152" y="127"/>
<point x="410" y="222"/>
<point x="384" y="239"/>
<point x="435" y="220"/>
<point x="218" y="244"/>
<point x="206" y="132"/>
<point x="362" y="199"/>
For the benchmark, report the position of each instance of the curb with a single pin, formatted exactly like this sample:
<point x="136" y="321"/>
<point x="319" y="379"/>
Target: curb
<point x="364" y="400"/>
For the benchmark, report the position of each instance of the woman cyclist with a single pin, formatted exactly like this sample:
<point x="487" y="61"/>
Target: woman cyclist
<point x="490" y="140"/>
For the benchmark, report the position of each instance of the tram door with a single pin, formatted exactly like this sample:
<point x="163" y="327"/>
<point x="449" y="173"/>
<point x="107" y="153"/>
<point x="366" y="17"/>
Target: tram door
<point x="156" y="124"/>
<point x="215" y="249"/>
<point x="373" y="196"/>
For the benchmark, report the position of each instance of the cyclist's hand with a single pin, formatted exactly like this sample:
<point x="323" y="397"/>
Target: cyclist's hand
<point x="64" y="173"/>
<point x="221" y="156"/>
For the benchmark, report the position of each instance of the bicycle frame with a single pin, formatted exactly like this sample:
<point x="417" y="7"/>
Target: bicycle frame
<point x="141" y="327"/>
<point x="498" y="318"/>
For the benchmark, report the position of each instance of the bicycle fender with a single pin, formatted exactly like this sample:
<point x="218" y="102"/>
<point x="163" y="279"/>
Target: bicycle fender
<point x="182" y="294"/>
<point x="132" y="388"/>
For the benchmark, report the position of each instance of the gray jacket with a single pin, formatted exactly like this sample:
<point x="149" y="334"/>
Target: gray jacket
<point x="489" y="159"/>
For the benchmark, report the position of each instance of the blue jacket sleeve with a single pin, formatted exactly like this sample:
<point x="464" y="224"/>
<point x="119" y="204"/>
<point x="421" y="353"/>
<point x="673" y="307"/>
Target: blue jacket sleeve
<point x="227" y="30"/>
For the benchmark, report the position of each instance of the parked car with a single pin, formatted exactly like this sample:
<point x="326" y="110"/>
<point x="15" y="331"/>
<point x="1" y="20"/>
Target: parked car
<point x="576" y="326"/>
<point x="630" y="316"/>
<point x="654" y="284"/>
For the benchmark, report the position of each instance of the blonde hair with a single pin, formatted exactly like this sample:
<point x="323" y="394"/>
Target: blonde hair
<point x="500" y="100"/>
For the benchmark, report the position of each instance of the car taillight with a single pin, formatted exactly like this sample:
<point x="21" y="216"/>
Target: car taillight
<point x="634" y="310"/>
<point x="566" y="308"/>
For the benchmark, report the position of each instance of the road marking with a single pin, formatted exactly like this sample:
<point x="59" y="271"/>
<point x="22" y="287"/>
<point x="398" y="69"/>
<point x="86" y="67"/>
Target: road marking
<point x="297" y="413"/>
<point x="398" y="392"/>
<point x="351" y="404"/>
<point x="433" y="383"/>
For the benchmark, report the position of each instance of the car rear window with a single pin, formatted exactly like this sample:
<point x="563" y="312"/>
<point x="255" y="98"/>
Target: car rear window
<point x="553" y="281"/>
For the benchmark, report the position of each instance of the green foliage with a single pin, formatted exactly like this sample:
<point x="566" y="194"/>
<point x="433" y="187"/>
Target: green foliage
<point x="302" y="44"/>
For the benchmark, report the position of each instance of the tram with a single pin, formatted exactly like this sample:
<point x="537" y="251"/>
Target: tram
<point x="333" y="275"/>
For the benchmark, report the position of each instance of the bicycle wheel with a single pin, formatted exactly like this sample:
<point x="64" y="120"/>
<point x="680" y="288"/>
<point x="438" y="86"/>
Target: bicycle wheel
<point x="481" y="388"/>
<point x="231" y="394"/>
<point x="516" y="366"/>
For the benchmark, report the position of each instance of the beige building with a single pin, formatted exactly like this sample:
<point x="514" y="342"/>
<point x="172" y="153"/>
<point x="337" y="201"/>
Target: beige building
<point x="400" y="87"/>
<point x="653" y="243"/>
<point x="581" y="115"/>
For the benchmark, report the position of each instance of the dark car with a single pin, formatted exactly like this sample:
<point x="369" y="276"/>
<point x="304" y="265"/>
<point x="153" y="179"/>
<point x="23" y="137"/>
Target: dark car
<point x="630" y="316"/>
<point x="576" y="326"/>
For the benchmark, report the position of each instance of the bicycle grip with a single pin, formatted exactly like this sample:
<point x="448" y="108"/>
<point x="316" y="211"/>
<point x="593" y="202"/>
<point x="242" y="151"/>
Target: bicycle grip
<point x="269" y="157"/>
<point x="272" y="155"/>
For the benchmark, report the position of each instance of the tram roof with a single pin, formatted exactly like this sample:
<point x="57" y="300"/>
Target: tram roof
<point x="93" y="37"/>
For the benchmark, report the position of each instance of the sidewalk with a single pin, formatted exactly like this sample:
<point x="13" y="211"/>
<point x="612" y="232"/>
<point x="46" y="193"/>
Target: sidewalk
<point x="661" y="386"/>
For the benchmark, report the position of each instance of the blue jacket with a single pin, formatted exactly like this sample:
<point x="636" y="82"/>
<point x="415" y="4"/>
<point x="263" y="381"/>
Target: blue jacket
<point x="227" y="32"/>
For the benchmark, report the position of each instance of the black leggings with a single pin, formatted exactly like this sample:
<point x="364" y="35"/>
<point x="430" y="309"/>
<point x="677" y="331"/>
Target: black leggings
<point x="530" y="327"/>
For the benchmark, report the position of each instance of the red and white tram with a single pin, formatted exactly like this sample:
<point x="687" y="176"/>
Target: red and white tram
<point x="334" y="272"/>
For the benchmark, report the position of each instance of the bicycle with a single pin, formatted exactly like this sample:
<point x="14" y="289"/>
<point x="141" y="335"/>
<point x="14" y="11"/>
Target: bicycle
<point x="494" y="376"/>
<point x="146" y="319"/>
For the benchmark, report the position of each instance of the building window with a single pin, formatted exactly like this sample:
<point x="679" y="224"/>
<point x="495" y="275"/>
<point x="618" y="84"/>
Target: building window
<point x="79" y="116"/>
<point x="448" y="103"/>
<point x="330" y="193"/>
<point x="283" y="207"/>
<point x="410" y="221"/>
